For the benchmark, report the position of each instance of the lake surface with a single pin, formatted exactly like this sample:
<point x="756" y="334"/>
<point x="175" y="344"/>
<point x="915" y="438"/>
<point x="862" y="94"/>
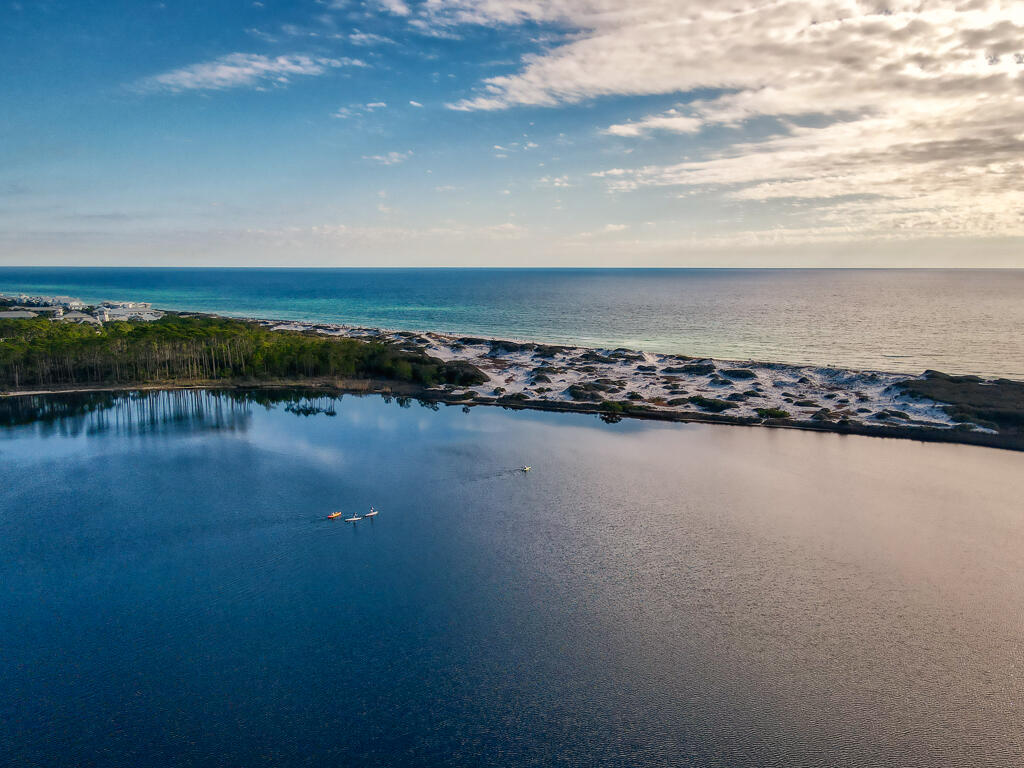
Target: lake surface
<point x="656" y="595"/>
<point x="958" y="321"/>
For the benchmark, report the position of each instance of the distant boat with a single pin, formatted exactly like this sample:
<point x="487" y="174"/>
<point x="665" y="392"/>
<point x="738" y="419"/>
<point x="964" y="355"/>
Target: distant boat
<point x="334" y="515"/>
<point x="372" y="513"/>
<point x="526" y="468"/>
<point x="353" y="518"/>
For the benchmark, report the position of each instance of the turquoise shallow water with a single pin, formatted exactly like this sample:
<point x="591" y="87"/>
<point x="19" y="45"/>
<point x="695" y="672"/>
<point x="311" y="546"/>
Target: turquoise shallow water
<point x="648" y="595"/>
<point x="959" y="321"/>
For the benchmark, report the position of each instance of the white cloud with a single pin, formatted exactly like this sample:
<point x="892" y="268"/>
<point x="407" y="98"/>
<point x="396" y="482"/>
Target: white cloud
<point x="238" y="70"/>
<point x="671" y="122"/>
<point x="358" y="110"/>
<point x="396" y="7"/>
<point x="589" y="236"/>
<point x="261" y="34"/>
<point x="508" y="230"/>
<point x="430" y="29"/>
<point x="415" y="103"/>
<point x="870" y="177"/>
<point x="554" y="181"/>
<point x="346" y="234"/>
<point x="366" y="39"/>
<point x="896" y="119"/>
<point x="390" y="158"/>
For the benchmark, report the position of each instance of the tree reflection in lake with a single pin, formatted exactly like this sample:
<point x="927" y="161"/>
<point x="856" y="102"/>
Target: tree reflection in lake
<point x="141" y="412"/>
<point x="124" y="413"/>
<point x="153" y="412"/>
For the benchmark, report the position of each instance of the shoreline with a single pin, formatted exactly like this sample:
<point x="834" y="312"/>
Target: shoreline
<point x="891" y="364"/>
<point x="361" y="387"/>
<point x="624" y="383"/>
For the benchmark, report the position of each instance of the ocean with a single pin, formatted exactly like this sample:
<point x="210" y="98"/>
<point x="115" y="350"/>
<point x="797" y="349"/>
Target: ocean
<point x="906" y="321"/>
<point x="172" y="594"/>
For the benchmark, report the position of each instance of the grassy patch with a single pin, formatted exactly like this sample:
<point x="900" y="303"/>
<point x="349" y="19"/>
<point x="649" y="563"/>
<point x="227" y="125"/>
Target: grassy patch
<point x="996" y="405"/>
<point x="590" y="390"/>
<point x="739" y="373"/>
<point x="711" y="404"/>
<point x="622" y="407"/>
<point x="772" y="413"/>
<point x="691" y="368"/>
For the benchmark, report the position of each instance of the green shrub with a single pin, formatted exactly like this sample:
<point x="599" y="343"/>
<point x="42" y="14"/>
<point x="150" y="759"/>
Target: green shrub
<point x="589" y="390"/>
<point x="772" y="413"/>
<point x="711" y="404"/>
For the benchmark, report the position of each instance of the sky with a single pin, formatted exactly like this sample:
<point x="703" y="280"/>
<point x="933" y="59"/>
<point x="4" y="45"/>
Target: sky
<point x="512" y="133"/>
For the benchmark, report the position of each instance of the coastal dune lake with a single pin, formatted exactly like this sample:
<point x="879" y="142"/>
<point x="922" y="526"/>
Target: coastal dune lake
<point x="171" y="593"/>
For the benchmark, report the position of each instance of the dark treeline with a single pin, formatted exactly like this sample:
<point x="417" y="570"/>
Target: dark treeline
<point x="39" y="353"/>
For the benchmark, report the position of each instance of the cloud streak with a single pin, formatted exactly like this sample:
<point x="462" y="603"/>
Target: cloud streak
<point x="390" y="158"/>
<point x="671" y="122"/>
<point x="241" y="70"/>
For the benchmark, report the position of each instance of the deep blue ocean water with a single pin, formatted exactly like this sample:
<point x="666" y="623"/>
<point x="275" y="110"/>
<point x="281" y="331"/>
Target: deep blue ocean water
<point x="959" y="321"/>
<point x="171" y="593"/>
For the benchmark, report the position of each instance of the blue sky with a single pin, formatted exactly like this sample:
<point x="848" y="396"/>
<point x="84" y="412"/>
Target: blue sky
<point x="512" y="132"/>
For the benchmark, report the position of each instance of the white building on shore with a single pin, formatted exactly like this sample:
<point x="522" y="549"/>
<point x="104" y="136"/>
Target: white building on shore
<point x="78" y="317"/>
<point x="69" y="308"/>
<point x="17" y="314"/>
<point x="65" y="302"/>
<point x="145" y="314"/>
<point x="52" y="311"/>
<point x="127" y="305"/>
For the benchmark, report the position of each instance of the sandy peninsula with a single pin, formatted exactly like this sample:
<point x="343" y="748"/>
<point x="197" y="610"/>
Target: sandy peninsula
<point x="624" y="383"/>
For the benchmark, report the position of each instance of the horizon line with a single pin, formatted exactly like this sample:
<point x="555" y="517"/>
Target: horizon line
<point x="508" y="268"/>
